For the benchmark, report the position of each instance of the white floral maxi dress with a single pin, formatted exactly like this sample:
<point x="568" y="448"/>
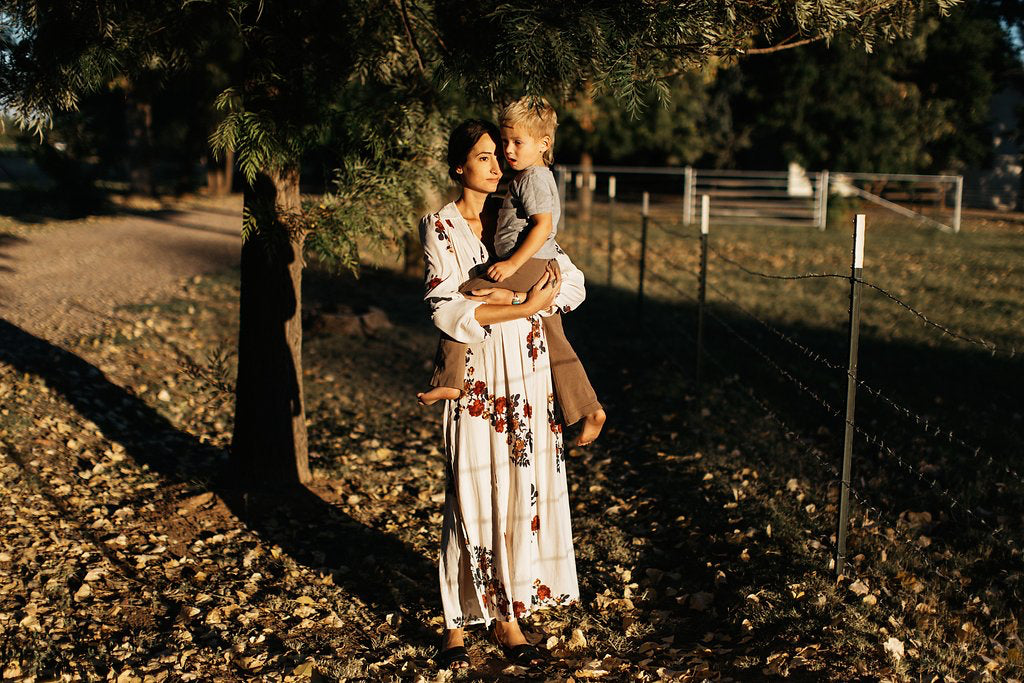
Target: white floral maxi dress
<point x="506" y="541"/>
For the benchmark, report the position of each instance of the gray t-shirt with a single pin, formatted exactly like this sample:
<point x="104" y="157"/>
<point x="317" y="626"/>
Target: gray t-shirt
<point x="531" y="192"/>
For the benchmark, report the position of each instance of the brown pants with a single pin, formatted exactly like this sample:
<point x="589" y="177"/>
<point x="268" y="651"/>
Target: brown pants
<point x="573" y="391"/>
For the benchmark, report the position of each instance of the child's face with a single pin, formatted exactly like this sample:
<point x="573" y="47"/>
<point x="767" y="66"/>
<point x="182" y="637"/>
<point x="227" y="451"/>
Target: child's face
<point x="521" y="149"/>
<point x="481" y="172"/>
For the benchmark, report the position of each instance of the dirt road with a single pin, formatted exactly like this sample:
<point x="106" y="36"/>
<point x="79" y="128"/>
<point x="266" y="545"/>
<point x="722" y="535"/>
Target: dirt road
<point x="59" y="281"/>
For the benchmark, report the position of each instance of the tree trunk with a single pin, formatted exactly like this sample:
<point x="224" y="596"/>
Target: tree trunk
<point x="269" y="442"/>
<point x="140" y="144"/>
<point x="220" y="173"/>
<point x="586" y="161"/>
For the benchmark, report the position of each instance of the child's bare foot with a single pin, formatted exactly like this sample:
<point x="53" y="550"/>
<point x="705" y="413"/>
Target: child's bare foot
<point x="592" y="425"/>
<point x="436" y="394"/>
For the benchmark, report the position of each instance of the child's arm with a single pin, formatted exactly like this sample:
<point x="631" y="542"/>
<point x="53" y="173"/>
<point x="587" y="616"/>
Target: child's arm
<point x="536" y="236"/>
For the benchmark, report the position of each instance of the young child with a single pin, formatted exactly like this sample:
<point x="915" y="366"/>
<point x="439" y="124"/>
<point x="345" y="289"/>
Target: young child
<point x="525" y="242"/>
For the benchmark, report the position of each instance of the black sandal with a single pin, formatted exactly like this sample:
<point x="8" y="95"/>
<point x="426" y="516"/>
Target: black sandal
<point x="445" y="658"/>
<point x="523" y="654"/>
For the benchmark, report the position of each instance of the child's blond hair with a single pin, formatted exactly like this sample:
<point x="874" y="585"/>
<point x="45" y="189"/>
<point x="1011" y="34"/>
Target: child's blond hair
<point x="539" y="117"/>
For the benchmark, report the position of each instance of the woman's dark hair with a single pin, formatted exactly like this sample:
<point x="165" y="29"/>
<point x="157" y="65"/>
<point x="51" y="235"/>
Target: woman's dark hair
<point x="464" y="137"/>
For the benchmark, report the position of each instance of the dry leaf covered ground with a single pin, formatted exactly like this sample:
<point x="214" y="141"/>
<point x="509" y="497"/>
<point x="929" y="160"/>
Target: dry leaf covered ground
<point x="703" y="530"/>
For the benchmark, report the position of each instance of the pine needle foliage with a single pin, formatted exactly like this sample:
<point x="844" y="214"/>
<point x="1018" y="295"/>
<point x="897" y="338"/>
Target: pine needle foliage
<point x="378" y="83"/>
<point x="629" y="49"/>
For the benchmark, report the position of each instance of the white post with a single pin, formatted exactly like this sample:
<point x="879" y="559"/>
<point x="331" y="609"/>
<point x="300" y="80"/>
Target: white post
<point x="858" y="241"/>
<point x="611" y="187"/>
<point x="688" y="195"/>
<point x="705" y="213"/>
<point x="593" y="181"/>
<point x="645" y="204"/>
<point x="823" y="206"/>
<point x="562" y="181"/>
<point x="958" y="202"/>
<point x="579" y="181"/>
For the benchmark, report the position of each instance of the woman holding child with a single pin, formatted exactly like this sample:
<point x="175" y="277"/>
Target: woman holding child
<point x="506" y="543"/>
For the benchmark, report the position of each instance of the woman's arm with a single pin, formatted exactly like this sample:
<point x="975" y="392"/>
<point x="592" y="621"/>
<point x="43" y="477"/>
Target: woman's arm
<point x="541" y="296"/>
<point x="450" y="311"/>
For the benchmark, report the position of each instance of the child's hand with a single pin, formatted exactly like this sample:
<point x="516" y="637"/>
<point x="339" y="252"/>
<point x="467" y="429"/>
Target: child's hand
<point x="501" y="271"/>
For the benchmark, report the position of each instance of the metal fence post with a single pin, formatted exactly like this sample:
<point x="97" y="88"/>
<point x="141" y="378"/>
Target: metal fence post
<point x="705" y="221"/>
<point x="851" y="389"/>
<point x="687" y="195"/>
<point x="958" y="201"/>
<point x="644" y="210"/>
<point x="611" y="225"/>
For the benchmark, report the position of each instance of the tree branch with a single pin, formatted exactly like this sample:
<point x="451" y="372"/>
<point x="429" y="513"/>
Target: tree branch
<point x="781" y="46"/>
<point x="410" y="37"/>
<point x="429" y="26"/>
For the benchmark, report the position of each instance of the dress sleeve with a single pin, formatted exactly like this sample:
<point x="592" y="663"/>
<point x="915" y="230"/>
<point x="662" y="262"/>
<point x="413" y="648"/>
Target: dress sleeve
<point x="450" y="311"/>
<point x="573" y="291"/>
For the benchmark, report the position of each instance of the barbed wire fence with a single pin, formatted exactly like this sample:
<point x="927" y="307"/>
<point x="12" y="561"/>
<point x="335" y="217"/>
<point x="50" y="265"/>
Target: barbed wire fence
<point x="656" y="267"/>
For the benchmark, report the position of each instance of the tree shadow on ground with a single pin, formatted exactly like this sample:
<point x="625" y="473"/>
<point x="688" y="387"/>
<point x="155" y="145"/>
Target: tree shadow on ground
<point x="283" y="516"/>
<point x="6" y="241"/>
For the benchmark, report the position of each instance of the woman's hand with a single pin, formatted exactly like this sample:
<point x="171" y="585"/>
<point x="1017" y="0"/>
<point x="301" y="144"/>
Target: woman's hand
<point x="555" y="270"/>
<point x="542" y="295"/>
<point x="491" y="295"/>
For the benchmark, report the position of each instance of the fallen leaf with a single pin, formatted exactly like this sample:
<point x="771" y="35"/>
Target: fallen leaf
<point x="894" y="646"/>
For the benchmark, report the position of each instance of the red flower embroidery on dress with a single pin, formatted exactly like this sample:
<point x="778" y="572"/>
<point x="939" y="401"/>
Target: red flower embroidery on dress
<point x="434" y="282"/>
<point x="535" y="524"/>
<point x="527" y="409"/>
<point x="441" y="234"/>
<point x="504" y="415"/>
<point x="543" y="592"/>
<point x="518" y="608"/>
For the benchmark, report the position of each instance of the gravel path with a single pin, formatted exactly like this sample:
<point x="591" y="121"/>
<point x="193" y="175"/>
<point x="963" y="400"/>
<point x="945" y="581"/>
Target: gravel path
<point x="59" y="281"/>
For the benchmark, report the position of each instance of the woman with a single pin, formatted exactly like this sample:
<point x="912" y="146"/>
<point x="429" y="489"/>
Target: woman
<point x="506" y="544"/>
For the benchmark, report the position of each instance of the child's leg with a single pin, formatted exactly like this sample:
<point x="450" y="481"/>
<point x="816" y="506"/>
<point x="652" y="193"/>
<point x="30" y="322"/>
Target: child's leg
<point x="521" y="281"/>
<point x="450" y="361"/>
<point x="449" y="372"/>
<point x="573" y="390"/>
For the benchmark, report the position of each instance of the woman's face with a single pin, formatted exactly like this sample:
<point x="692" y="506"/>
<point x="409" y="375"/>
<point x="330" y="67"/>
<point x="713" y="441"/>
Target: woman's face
<point x="481" y="172"/>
